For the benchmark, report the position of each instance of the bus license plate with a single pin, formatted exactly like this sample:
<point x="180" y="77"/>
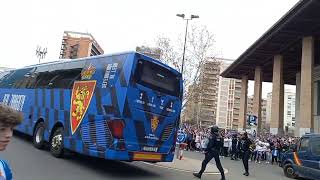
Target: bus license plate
<point x="150" y="149"/>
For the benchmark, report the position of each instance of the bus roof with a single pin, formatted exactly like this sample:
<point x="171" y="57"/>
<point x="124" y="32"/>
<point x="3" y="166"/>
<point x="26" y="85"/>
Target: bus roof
<point x="60" y="61"/>
<point x="79" y="59"/>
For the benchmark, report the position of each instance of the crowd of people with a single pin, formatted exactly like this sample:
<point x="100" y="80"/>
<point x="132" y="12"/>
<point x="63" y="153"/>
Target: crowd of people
<point x="264" y="148"/>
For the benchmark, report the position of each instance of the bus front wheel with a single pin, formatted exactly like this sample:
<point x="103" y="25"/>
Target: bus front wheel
<point x="38" y="140"/>
<point x="56" y="143"/>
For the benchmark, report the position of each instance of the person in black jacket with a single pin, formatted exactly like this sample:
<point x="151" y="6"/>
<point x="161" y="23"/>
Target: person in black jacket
<point x="212" y="151"/>
<point x="239" y="154"/>
<point x="234" y="147"/>
<point x="245" y="143"/>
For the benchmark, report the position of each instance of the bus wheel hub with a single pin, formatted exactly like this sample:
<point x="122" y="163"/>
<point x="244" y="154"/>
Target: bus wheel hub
<point x="56" y="141"/>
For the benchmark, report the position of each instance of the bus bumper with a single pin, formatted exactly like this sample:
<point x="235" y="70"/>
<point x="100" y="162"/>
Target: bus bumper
<point x="133" y="156"/>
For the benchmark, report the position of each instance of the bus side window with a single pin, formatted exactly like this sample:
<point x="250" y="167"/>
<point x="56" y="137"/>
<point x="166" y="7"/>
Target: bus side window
<point x="52" y="81"/>
<point x="5" y="75"/>
<point x="66" y="79"/>
<point x="31" y="82"/>
<point x="26" y="81"/>
<point x="16" y="79"/>
<point x="44" y="79"/>
<point x="5" y="79"/>
<point x="70" y="85"/>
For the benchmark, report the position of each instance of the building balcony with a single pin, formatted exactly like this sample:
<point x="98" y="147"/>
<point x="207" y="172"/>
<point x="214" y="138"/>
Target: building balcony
<point x="211" y="109"/>
<point x="212" y="77"/>
<point x="211" y="87"/>
<point x="209" y="98"/>
<point x="211" y="91"/>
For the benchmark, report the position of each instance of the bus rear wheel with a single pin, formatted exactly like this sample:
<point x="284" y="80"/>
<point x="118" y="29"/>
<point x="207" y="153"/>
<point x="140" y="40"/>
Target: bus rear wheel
<point x="56" y="143"/>
<point x="38" y="138"/>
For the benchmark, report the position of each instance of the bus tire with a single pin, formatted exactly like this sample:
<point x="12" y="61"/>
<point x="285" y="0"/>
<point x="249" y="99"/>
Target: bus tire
<point x="56" y="143"/>
<point x="289" y="171"/>
<point x="38" y="136"/>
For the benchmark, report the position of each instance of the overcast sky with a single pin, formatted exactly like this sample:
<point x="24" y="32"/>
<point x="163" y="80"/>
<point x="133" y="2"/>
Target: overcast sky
<point x="121" y="25"/>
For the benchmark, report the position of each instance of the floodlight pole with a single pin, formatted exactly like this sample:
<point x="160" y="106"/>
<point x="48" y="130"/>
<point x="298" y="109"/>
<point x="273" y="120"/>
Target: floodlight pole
<point x="184" y="47"/>
<point x="185" y="36"/>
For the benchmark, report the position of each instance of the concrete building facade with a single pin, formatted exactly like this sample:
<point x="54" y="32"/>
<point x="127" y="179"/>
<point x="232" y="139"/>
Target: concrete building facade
<point x="288" y="53"/>
<point x="269" y="108"/>
<point x="77" y="45"/>
<point x="250" y="111"/>
<point x="300" y="101"/>
<point x="201" y="106"/>
<point x="215" y="100"/>
<point x="228" y="99"/>
<point x="191" y="109"/>
<point x="208" y="91"/>
<point x="149" y="51"/>
<point x="289" y="110"/>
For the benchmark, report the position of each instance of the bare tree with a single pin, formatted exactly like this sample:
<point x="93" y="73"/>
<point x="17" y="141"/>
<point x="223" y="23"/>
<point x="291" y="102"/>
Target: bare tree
<point x="169" y="55"/>
<point x="199" y="47"/>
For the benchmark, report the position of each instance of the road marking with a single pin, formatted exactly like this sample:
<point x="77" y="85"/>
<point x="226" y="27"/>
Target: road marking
<point x="183" y="170"/>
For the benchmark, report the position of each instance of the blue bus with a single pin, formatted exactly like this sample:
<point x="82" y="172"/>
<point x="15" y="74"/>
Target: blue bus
<point x="122" y="106"/>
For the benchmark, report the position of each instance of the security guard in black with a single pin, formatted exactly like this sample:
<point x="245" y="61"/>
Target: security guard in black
<point x="245" y="144"/>
<point x="212" y="151"/>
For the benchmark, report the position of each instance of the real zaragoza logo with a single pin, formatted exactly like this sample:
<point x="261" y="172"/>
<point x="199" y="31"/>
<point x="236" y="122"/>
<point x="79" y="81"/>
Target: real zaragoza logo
<point x="88" y="72"/>
<point x="80" y="100"/>
<point x="154" y="123"/>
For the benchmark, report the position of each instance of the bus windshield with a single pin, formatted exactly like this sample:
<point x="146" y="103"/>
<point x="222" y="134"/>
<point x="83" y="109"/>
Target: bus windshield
<point x="157" y="78"/>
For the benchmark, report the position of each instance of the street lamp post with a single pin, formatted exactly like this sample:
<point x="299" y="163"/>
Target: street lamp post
<point x="185" y="36"/>
<point x="184" y="46"/>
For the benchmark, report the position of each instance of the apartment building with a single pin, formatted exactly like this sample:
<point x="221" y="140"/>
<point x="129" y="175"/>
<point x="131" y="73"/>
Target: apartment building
<point x="77" y="45"/>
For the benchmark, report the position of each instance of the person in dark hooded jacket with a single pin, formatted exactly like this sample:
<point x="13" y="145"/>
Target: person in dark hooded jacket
<point x="212" y="151"/>
<point x="234" y="147"/>
<point x="245" y="144"/>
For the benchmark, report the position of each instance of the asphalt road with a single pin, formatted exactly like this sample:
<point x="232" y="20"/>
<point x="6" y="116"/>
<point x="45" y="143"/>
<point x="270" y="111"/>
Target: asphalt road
<point x="257" y="171"/>
<point x="29" y="163"/>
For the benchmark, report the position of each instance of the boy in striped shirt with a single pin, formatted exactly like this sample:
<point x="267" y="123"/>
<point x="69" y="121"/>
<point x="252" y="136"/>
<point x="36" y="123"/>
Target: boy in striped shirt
<point x="9" y="118"/>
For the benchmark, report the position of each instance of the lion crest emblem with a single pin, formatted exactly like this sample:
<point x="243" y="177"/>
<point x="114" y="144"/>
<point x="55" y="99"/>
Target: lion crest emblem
<point x="80" y="100"/>
<point x="154" y="123"/>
